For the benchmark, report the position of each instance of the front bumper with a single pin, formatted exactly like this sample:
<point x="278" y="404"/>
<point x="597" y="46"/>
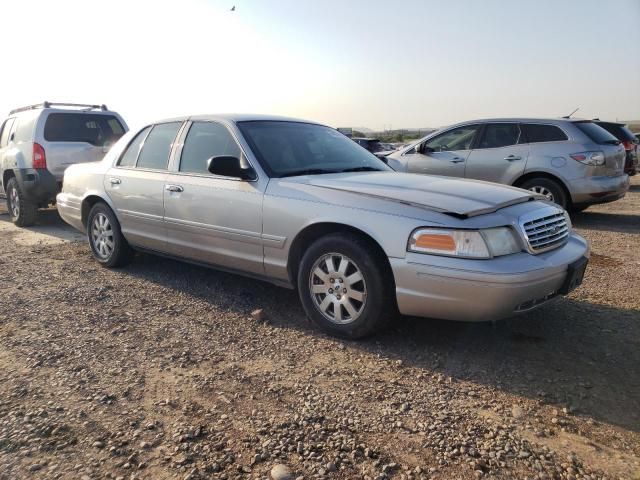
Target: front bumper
<point x="591" y="190"/>
<point x="482" y="290"/>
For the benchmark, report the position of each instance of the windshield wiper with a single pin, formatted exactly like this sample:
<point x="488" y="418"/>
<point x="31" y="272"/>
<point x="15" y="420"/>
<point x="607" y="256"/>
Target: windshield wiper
<point x="308" y="171"/>
<point x="361" y="169"/>
<point x="611" y="142"/>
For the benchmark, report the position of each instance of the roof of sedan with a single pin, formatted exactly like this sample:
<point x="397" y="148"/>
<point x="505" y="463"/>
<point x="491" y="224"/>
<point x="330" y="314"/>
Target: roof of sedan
<point x="238" y="117"/>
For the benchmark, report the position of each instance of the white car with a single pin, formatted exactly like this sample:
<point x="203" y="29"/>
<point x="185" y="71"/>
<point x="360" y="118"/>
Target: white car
<point x="37" y="144"/>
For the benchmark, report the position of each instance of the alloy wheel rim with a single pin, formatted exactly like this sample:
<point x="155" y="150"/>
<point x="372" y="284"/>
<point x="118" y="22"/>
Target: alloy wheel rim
<point x="102" y="236"/>
<point x="545" y="192"/>
<point x="14" y="202"/>
<point x="338" y="288"/>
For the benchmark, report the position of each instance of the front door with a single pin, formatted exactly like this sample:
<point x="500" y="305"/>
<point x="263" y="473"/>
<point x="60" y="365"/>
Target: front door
<point x="136" y="186"/>
<point x="445" y="154"/>
<point x="499" y="156"/>
<point x="213" y="219"/>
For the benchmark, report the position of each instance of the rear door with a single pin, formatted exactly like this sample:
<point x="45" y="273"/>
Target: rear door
<point x="444" y="154"/>
<point x="136" y="185"/>
<point x="209" y="218"/>
<point x="500" y="154"/>
<point x="77" y="137"/>
<point x="6" y="132"/>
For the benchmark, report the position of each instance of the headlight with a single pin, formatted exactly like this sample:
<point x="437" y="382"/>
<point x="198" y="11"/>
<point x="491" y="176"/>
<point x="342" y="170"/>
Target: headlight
<point x="487" y="243"/>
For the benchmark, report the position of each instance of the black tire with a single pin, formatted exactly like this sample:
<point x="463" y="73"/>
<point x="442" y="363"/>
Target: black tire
<point x="379" y="305"/>
<point x="117" y="255"/>
<point x="26" y="212"/>
<point x="553" y="187"/>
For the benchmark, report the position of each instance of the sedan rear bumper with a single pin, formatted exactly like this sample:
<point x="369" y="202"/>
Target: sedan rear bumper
<point x="482" y="290"/>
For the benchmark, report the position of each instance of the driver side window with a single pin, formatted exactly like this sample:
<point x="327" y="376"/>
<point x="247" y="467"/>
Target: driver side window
<point x="204" y="141"/>
<point x="460" y="138"/>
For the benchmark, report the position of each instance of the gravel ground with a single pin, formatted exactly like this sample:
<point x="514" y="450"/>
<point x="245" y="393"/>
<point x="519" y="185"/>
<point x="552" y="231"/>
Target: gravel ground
<point x="159" y="371"/>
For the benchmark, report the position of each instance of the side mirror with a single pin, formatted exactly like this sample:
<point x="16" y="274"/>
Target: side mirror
<point x="228" y="166"/>
<point x="426" y="150"/>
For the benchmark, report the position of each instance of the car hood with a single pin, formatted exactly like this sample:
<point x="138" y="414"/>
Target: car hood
<point x="460" y="197"/>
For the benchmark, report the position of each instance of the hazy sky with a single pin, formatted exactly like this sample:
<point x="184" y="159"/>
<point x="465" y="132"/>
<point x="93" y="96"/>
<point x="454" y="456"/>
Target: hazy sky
<point x="366" y="63"/>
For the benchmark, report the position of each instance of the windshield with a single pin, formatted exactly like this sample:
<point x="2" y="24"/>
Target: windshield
<point x="294" y="148"/>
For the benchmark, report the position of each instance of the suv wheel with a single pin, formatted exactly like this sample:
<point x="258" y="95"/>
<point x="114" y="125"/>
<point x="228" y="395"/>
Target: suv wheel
<point x="344" y="286"/>
<point x="548" y="188"/>
<point x="22" y="211"/>
<point x="108" y="245"/>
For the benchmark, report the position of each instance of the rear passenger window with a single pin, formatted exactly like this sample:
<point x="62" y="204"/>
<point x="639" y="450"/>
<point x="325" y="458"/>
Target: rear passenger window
<point x="533" y="133"/>
<point x="206" y="140"/>
<point x="128" y="159"/>
<point x="6" y="129"/>
<point x="498" y="135"/>
<point x="157" y="146"/>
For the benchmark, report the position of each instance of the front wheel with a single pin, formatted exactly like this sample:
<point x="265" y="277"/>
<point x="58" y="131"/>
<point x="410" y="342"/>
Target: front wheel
<point x="108" y="245"/>
<point x="548" y="188"/>
<point x="345" y="287"/>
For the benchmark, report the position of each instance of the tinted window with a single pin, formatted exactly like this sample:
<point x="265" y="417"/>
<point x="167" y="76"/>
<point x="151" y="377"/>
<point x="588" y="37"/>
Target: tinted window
<point x="295" y="148"/>
<point x="128" y="159"/>
<point x="619" y="131"/>
<point x="206" y="140"/>
<point x="91" y="128"/>
<point x="157" y="146"/>
<point x="595" y="133"/>
<point x="498" y="135"/>
<point x="533" y="133"/>
<point x="457" y="139"/>
<point x="6" y="129"/>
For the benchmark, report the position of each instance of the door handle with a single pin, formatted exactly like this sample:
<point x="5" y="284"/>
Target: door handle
<point x="173" y="188"/>
<point x="115" y="181"/>
<point x="511" y="158"/>
<point x="457" y="160"/>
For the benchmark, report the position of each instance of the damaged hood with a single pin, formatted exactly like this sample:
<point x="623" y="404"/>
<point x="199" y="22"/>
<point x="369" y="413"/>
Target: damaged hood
<point x="461" y="197"/>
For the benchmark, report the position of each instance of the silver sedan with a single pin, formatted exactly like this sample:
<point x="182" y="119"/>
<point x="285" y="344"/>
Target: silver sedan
<point x="300" y="205"/>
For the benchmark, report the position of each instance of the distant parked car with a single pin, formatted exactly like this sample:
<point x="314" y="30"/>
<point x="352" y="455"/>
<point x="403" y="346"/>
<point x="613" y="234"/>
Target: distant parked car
<point x="574" y="163"/>
<point x="37" y="144"/>
<point x="629" y="141"/>
<point x="300" y="205"/>
<point x="372" y="144"/>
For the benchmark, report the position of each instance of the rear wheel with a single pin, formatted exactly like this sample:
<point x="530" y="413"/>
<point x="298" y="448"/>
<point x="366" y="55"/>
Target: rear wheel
<point x="548" y="188"/>
<point x="108" y="245"/>
<point x="344" y="286"/>
<point x="23" y="212"/>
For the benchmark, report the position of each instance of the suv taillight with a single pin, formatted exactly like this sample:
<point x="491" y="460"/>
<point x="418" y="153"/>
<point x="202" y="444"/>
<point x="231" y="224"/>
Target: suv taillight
<point x="589" y="158"/>
<point x="628" y="145"/>
<point x="39" y="157"/>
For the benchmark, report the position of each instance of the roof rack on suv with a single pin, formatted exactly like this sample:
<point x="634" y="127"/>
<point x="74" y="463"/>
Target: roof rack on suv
<point x="46" y="104"/>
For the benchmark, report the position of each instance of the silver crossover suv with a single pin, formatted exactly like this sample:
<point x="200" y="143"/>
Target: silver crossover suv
<point x="301" y="205"/>
<point x="574" y="163"/>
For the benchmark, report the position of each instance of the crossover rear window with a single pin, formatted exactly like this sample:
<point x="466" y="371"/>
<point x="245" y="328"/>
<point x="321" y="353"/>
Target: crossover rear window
<point x="96" y="129"/>
<point x="596" y="133"/>
<point x="534" y="133"/>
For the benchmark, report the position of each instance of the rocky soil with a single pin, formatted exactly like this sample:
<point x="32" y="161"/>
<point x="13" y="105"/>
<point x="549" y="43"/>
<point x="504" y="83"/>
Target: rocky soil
<point x="160" y="371"/>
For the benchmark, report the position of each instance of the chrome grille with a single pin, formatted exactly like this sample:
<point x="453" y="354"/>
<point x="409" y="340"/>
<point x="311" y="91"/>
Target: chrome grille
<point x="546" y="231"/>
